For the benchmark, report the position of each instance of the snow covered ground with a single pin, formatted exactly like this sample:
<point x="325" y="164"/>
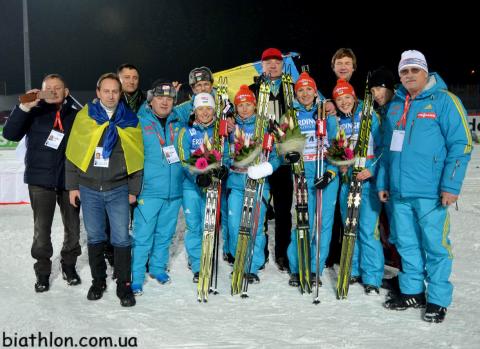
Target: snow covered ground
<point x="275" y="315"/>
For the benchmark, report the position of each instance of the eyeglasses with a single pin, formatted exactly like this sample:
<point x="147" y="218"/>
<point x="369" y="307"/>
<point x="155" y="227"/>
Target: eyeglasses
<point x="405" y="71"/>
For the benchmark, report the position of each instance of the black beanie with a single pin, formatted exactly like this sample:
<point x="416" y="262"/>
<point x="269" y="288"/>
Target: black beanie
<point x="381" y="77"/>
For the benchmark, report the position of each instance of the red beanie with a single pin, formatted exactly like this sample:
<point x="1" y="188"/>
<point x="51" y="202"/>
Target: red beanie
<point x="245" y="95"/>
<point x="305" y="80"/>
<point x="343" y="88"/>
<point x="270" y="53"/>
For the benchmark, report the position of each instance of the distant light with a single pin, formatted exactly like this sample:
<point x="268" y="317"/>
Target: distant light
<point x="472" y="71"/>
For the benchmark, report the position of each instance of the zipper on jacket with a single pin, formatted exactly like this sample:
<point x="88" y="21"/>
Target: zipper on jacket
<point x="457" y="164"/>
<point x="411" y="131"/>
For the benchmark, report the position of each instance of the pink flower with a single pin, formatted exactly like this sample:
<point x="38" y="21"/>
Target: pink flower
<point x="201" y="163"/>
<point x="198" y="152"/>
<point x="348" y="153"/>
<point x="238" y="147"/>
<point x="341" y="142"/>
<point x="217" y="154"/>
<point x="284" y="126"/>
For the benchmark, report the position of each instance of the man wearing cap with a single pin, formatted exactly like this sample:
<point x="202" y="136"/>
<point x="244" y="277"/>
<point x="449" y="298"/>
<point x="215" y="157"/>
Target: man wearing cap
<point x="155" y="217"/>
<point x="104" y="170"/>
<point x="281" y="185"/>
<point x="201" y="81"/>
<point x="429" y="143"/>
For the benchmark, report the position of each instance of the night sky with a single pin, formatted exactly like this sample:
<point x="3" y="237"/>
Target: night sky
<point x="82" y="39"/>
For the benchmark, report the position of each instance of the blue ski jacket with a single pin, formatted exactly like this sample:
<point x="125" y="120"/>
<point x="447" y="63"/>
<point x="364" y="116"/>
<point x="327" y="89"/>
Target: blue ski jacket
<point x="436" y="146"/>
<point x="160" y="179"/>
<point x="237" y="177"/>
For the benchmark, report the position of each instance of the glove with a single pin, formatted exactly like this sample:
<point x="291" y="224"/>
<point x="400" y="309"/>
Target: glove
<point x="204" y="180"/>
<point x="292" y="157"/>
<point x="220" y="173"/>
<point x="322" y="182"/>
<point x="260" y="171"/>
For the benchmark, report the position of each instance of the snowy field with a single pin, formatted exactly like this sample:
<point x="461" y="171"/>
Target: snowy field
<point x="275" y="315"/>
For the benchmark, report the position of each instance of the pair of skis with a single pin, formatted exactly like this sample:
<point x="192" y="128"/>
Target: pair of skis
<point x="301" y="196"/>
<point x="354" y="197"/>
<point x="252" y="198"/>
<point x="208" y="275"/>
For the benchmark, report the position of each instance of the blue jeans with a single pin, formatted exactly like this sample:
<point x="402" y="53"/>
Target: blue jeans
<point x="98" y="206"/>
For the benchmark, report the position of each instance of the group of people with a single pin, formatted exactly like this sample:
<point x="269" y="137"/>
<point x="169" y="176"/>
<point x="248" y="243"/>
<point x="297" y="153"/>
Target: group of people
<point x="127" y="150"/>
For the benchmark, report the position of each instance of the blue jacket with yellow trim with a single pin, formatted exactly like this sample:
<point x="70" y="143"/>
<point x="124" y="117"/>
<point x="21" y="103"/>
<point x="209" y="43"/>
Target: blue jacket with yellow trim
<point x="436" y="148"/>
<point x="308" y="126"/>
<point x="160" y="179"/>
<point x="375" y="150"/>
<point x="236" y="179"/>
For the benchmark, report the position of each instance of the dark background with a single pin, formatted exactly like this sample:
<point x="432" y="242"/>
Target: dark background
<point x="82" y="39"/>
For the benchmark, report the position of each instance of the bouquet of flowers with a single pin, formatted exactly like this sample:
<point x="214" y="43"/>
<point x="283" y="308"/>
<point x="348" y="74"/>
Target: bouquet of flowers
<point x="205" y="158"/>
<point x="340" y="152"/>
<point x="289" y="137"/>
<point x="245" y="149"/>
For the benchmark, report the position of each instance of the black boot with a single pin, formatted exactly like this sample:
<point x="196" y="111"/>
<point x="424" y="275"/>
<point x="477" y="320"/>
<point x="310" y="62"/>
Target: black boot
<point x="98" y="269"/>
<point x="43" y="283"/>
<point x="123" y="269"/>
<point x="70" y="274"/>
<point x="95" y="291"/>
<point x="404" y="301"/>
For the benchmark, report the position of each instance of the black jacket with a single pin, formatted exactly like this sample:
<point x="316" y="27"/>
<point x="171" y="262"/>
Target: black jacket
<point x="44" y="166"/>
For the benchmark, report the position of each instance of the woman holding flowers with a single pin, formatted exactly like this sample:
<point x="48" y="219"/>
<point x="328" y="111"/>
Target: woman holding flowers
<point x="246" y="150"/>
<point x="200" y="162"/>
<point x="307" y="113"/>
<point x="368" y="260"/>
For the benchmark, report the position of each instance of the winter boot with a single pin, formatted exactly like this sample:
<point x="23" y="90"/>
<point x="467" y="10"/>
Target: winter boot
<point x="371" y="290"/>
<point x="196" y="276"/>
<point x="96" y="290"/>
<point x="227" y="257"/>
<point x="294" y="280"/>
<point x="252" y="278"/>
<point x="404" y="301"/>
<point x="98" y="269"/>
<point x="70" y="275"/>
<point x="42" y="284"/>
<point x="313" y="277"/>
<point x="123" y="269"/>
<point x="355" y="279"/>
<point x="434" y="313"/>
<point x="162" y="278"/>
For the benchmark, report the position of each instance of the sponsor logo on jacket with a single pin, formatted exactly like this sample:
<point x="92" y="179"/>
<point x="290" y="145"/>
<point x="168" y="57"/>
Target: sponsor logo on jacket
<point x="426" y="115"/>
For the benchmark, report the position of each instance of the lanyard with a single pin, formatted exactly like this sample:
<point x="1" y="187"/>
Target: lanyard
<point x="403" y="119"/>
<point x="58" y="121"/>
<point x="161" y="140"/>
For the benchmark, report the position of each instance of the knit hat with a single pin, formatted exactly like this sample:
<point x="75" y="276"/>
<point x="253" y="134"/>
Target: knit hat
<point x="200" y="74"/>
<point x="244" y="95"/>
<point x="204" y="100"/>
<point x="161" y="88"/>
<point x="305" y="80"/>
<point x="412" y="58"/>
<point x="343" y="88"/>
<point x="381" y="77"/>
<point x="272" y="53"/>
